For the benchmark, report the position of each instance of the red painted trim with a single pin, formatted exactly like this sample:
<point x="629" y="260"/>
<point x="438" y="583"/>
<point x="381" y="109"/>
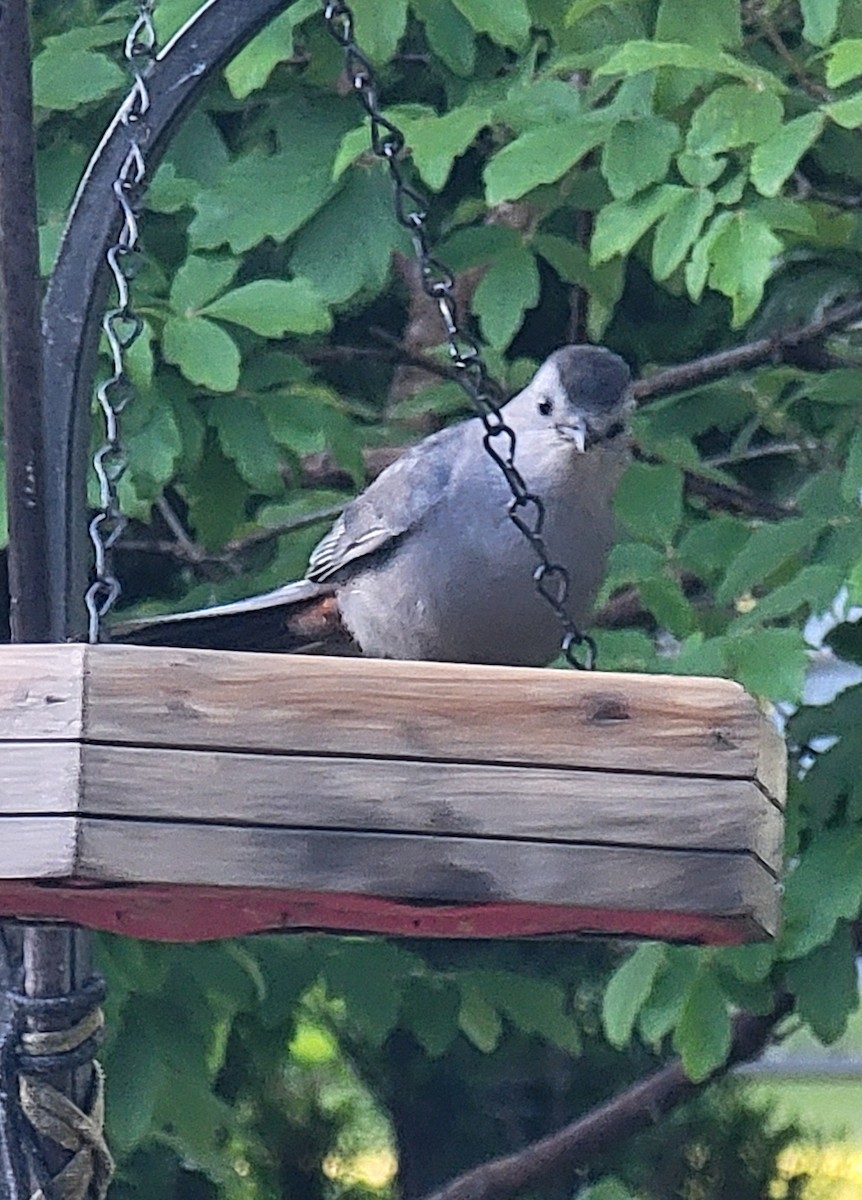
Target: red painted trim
<point x="187" y="913"/>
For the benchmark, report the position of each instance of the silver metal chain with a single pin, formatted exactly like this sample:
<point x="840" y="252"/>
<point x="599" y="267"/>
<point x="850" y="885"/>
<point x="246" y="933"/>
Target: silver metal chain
<point x="122" y="325"/>
<point x="526" y="509"/>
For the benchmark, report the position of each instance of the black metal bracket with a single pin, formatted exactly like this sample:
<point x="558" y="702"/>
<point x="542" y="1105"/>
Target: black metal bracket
<point x="77" y="291"/>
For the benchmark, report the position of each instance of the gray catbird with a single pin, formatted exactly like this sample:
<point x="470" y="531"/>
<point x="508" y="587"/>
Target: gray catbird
<point x="426" y="564"/>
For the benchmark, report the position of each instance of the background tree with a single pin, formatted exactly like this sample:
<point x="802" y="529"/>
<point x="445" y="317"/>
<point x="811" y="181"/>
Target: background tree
<point x="679" y="179"/>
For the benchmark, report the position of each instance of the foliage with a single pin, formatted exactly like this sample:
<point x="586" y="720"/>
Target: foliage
<point x="672" y="184"/>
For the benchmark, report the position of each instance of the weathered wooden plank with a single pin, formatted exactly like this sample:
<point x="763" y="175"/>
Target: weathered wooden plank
<point x="443" y="711"/>
<point x="390" y="795"/>
<point x="185" y="913"/>
<point x="38" y="847"/>
<point x="450" y="869"/>
<point x="39" y="778"/>
<point x="41" y="691"/>
<point x="431" y="798"/>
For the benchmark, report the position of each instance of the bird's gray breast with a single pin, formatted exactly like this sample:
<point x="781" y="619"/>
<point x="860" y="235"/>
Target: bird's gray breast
<point x="458" y="586"/>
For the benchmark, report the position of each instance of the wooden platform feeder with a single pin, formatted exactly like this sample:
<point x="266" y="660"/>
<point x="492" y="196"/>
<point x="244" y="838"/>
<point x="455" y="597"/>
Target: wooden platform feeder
<point x="183" y="795"/>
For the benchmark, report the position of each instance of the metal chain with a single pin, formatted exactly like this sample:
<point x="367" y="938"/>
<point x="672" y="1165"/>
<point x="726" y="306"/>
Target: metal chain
<point x="526" y="510"/>
<point x="122" y="325"/>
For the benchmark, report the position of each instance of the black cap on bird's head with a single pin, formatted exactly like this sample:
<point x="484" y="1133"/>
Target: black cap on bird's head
<point x="581" y="392"/>
<point x="593" y="378"/>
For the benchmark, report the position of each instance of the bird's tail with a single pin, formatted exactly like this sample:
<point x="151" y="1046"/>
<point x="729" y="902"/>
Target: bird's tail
<point x="300" y="617"/>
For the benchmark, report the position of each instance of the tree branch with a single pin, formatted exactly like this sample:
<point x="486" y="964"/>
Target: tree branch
<point x="780" y="347"/>
<point x="609" y="1125"/>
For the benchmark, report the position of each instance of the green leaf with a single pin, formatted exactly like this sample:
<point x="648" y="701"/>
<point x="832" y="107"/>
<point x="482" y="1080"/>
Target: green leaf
<point x="662" y="1009"/>
<point x="370" y="976"/>
<point x="649" y="502"/>
<point x="66" y="75"/>
<point x="752" y="963"/>
<point x="700" y="170"/>
<point x="826" y="985"/>
<point x="253" y="66"/>
<point x="717" y="24"/>
<point x="768" y="548"/>
<point x="638" y="153"/>
<point x="507" y="290"/>
<point x="733" y="115"/>
<point x="245" y="439"/>
<point x="203" y="352"/>
<point x="198" y="280"/>
<point x="678" y="230"/>
<point x="774" y="160"/>
<point x="136" y="1076"/>
<point x="609" y="1188"/>
<point x="664" y="598"/>
<point x="508" y="24"/>
<point x="155" y="447"/>
<point x="348" y="246"/>
<point x="260" y="196"/>
<point x="743" y="255"/>
<point x="430" y="1011"/>
<point x="769" y="662"/>
<point x="477" y="1019"/>
<point x="603" y="282"/>
<point x="274" y="307"/>
<point x="450" y="36"/>
<point x="541" y="156"/>
<point x="844" y="62"/>
<point x="630" y="562"/>
<point x="814" y="587"/>
<point x="622" y="223"/>
<point x="638" y="56"/>
<point x="820" y="18"/>
<point x="703" y="1034"/>
<point x="217" y="494"/>
<point x="851" y="483"/>
<point x="437" y="141"/>
<point x="812" y="910"/>
<point x="380" y="26"/>
<point x="628" y="989"/>
<point x="846" y="113"/>
<point x="708" y="547"/>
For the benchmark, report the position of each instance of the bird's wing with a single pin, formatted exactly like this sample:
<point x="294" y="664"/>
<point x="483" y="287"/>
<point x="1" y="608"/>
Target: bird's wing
<point x="394" y="504"/>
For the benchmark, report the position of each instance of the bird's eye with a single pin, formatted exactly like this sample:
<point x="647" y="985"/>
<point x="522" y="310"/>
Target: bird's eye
<point x="546" y="407"/>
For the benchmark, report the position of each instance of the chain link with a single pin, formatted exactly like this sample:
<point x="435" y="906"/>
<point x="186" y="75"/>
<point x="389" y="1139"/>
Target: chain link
<point x="121" y="324"/>
<point x="526" y="510"/>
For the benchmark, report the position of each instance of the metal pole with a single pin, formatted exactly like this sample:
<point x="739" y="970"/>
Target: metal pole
<point x="55" y="958"/>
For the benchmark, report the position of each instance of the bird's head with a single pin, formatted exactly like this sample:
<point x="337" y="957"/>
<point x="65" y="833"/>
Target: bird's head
<point x="580" y="393"/>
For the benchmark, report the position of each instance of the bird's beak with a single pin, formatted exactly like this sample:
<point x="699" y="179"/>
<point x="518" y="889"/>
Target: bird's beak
<point x="574" y="431"/>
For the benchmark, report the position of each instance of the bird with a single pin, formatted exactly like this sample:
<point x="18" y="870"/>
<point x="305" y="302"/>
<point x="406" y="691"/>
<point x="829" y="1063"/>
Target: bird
<point x="425" y="564"/>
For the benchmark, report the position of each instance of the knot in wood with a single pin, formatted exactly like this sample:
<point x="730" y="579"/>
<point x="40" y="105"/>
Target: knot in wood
<point x="607" y="708"/>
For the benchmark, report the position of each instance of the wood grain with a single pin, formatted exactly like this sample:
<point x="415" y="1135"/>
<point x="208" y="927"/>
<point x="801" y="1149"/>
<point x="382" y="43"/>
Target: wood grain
<point x="41" y="691"/>
<point x="638" y="804"/>
<point x="443" y="869"/>
<point x="38" y="847"/>
<point x="431" y="799"/>
<point x="443" y="711"/>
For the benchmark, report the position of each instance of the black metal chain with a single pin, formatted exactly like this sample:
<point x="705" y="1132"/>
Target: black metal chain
<point x="121" y="324"/>
<point x="526" y="509"/>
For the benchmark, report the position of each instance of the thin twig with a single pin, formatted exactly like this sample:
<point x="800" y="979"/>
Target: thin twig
<point x="816" y="90"/>
<point x="767" y="450"/>
<point x="779" y="347"/>
<point x="189" y="552"/>
<point x="610" y="1125"/>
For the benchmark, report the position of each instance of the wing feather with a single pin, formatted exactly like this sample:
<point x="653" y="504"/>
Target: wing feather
<point x="395" y="503"/>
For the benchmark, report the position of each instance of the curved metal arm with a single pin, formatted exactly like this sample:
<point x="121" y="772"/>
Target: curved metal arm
<point x="78" y="288"/>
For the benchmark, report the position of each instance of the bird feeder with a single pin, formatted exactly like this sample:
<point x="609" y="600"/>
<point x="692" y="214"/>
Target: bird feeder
<point x="185" y="795"/>
<point x="190" y="794"/>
